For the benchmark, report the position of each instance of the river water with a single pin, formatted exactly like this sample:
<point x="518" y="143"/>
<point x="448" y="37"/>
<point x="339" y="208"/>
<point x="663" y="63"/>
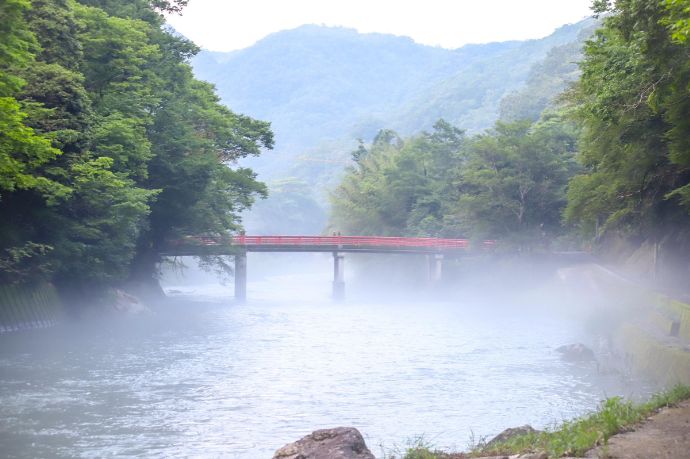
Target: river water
<point x="202" y="377"/>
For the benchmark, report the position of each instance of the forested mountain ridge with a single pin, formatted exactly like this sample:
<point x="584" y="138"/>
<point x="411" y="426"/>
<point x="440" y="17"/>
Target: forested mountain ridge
<point x="323" y="88"/>
<point x="609" y="166"/>
<point x="318" y="84"/>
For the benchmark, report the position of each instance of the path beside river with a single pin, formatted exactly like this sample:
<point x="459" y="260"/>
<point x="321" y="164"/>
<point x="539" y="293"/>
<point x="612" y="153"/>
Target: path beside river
<point x="663" y="435"/>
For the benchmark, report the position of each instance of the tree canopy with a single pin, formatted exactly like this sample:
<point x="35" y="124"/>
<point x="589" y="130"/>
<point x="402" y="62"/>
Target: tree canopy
<point x="109" y="145"/>
<point x="508" y="182"/>
<point x="626" y="121"/>
<point x="633" y="101"/>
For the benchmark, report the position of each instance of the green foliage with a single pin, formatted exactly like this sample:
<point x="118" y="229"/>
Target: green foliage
<point x="22" y="152"/>
<point x="508" y="183"/>
<point x="415" y="448"/>
<point x="678" y="19"/>
<point x="576" y="437"/>
<point x="27" y="261"/>
<point x="118" y="61"/>
<point x="513" y="184"/>
<point x="139" y="9"/>
<point x="123" y="139"/>
<point x="571" y="438"/>
<point x="546" y="81"/>
<point x="111" y="146"/>
<point x="16" y="45"/>
<point x="399" y="187"/>
<point x="58" y="104"/>
<point x="98" y="227"/>
<point x="55" y="27"/>
<point x="194" y="138"/>
<point x="633" y="102"/>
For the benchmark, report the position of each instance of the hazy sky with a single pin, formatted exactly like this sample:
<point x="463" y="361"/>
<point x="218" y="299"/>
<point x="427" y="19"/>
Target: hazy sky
<point x="224" y="25"/>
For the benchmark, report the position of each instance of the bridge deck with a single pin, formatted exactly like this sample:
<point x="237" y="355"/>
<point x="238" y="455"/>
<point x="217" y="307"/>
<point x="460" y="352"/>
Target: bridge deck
<point x="195" y="245"/>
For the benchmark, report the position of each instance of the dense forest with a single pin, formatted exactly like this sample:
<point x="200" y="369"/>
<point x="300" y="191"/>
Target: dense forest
<point x="108" y="144"/>
<point x="507" y="183"/>
<point x="608" y="162"/>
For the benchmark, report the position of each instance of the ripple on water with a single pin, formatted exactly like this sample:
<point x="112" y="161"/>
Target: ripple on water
<point x="240" y="381"/>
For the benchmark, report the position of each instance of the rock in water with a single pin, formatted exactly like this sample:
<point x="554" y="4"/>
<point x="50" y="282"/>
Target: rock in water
<point x="510" y="433"/>
<point x="338" y="443"/>
<point x="576" y="353"/>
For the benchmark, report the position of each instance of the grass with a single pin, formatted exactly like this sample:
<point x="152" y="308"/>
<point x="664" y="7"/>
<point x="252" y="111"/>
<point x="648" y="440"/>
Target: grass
<point x="418" y="448"/>
<point x="572" y="438"/>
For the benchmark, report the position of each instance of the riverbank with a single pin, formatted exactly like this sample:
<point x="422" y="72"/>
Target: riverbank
<point x="25" y="307"/>
<point x="646" y="333"/>
<point x="41" y="305"/>
<point x="659" y="428"/>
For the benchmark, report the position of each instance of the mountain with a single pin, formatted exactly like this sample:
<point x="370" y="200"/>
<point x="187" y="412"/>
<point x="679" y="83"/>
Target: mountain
<point x="322" y="88"/>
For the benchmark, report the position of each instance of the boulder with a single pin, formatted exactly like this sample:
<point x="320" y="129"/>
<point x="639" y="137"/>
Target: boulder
<point x="510" y="433"/>
<point x="128" y="304"/>
<point x="337" y="443"/>
<point x="576" y="353"/>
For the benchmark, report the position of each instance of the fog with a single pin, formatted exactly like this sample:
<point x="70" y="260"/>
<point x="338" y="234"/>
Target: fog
<point x="198" y="374"/>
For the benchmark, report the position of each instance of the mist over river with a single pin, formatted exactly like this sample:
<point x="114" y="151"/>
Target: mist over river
<point x="203" y="377"/>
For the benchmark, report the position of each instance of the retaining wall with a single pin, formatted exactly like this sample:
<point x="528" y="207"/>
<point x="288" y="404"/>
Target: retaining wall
<point x="25" y="307"/>
<point x="652" y="335"/>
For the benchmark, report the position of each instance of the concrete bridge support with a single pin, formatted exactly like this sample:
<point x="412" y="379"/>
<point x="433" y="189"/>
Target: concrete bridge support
<point x="435" y="268"/>
<point x="241" y="277"/>
<point x="338" y="276"/>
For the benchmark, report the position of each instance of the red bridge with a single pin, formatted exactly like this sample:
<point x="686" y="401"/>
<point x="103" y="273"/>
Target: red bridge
<point x="201" y="245"/>
<point x="238" y="246"/>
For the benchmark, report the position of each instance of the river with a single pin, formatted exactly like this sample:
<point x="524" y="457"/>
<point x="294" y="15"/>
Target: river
<point x="203" y="377"/>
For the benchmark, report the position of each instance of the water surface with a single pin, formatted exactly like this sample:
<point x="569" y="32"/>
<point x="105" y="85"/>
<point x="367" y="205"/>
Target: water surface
<point x="204" y="377"/>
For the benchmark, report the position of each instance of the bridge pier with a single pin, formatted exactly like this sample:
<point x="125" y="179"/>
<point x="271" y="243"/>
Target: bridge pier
<point x="241" y="277"/>
<point x="434" y="268"/>
<point x="338" y="276"/>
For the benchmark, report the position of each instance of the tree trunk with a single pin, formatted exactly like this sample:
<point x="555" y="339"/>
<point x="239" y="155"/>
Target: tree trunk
<point x="144" y="276"/>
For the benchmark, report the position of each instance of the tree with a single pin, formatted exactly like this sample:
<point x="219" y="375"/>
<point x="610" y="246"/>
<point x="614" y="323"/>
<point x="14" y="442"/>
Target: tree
<point x="677" y="19"/>
<point x="399" y="187"/>
<point x="16" y="45"/>
<point x="513" y="184"/>
<point x="633" y="103"/>
<point x="23" y="151"/>
<point x="112" y="146"/>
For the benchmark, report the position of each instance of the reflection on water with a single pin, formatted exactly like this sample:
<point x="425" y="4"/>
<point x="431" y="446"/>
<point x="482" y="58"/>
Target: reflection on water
<point x="203" y="377"/>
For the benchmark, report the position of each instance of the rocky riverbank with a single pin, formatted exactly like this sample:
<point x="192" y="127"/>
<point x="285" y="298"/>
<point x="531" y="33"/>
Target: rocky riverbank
<point x="659" y="428"/>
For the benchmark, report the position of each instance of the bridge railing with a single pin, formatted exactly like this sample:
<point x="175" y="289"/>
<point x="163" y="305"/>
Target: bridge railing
<point x="334" y="241"/>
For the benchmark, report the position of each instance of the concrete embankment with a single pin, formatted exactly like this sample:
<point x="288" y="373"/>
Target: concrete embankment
<point x="648" y="332"/>
<point x="25" y="307"/>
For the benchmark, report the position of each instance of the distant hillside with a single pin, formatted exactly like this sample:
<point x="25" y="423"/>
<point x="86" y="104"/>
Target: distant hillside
<point x="547" y="79"/>
<point x="471" y="97"/>
<point x="318" y="84"/>
<point x="322" y="88"/>
<point x="313" y="82"/>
